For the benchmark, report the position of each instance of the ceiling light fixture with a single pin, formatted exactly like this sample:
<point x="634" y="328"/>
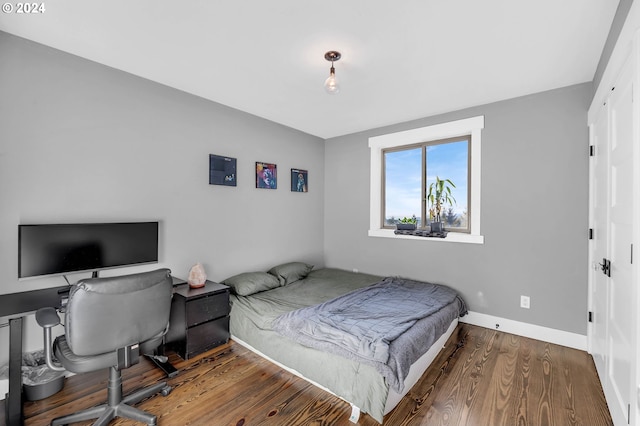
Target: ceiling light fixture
<point x="331" y="84"/>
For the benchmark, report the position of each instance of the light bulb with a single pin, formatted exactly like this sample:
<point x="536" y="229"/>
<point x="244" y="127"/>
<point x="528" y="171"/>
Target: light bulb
<point x="331" y="84"/>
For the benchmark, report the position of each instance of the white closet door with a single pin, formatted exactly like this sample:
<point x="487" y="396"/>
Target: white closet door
<point x="599" y="202"/>
<point x="621" y="327"/>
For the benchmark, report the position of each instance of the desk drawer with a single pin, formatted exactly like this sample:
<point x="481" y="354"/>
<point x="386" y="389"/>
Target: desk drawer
<point x="207" y="308"/>
<point x="206" y="336"/>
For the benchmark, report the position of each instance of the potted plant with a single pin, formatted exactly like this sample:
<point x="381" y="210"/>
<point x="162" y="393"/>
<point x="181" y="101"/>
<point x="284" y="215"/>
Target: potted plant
<point x="438" y="195"/>
<point x="407" y="224"/>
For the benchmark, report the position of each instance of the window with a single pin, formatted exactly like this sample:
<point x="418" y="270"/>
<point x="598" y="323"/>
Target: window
<point x="410" y="171"/>
<point x="405" y="164"/>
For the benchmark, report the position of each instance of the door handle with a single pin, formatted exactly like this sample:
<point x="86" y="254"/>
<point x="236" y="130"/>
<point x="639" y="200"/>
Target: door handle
<point x="605" y="267"/>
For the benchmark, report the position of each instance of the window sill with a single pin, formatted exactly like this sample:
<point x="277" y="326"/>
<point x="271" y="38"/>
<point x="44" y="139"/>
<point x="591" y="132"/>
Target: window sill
<point x="452" y="237"/>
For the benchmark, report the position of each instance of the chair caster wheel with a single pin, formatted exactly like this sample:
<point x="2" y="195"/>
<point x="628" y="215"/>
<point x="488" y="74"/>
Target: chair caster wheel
<point x="166" y="390"/>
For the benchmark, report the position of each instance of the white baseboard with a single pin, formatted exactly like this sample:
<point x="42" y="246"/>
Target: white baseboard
<point x="551" y="335"/>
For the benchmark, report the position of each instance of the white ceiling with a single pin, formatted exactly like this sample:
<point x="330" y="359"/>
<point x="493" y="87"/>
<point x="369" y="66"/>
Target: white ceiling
<point x="400" y="60"/>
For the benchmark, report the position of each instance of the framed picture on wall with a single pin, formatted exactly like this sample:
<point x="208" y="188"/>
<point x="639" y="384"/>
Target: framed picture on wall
<point x="222" y="170"/>
<point x="266" y="175"/>
<point x="299" y="180"/>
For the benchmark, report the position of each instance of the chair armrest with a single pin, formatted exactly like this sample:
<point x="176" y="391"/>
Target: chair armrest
<point x="47" y="317"/>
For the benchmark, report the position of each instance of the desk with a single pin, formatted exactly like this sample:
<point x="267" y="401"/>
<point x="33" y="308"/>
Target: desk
<point x="14" y="307"/>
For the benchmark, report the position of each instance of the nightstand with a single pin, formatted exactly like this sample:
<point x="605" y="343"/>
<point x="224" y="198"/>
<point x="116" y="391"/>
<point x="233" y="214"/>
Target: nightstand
<point x="199" y="319"/>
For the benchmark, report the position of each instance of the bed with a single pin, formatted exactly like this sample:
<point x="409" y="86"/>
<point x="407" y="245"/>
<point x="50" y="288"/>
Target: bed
<point x="264" y="301"/>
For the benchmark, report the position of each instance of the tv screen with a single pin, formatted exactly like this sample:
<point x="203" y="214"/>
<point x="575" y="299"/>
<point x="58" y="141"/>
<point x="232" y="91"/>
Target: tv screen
<point x="57" y="249"/>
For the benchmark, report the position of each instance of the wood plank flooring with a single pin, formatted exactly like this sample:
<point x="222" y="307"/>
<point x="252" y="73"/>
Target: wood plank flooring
<point x="482" y="377"/>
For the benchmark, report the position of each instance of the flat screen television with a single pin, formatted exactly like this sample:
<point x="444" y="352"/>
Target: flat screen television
<point x="58" y="249"/>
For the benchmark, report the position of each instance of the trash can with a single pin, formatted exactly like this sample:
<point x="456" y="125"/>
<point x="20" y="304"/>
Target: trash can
<point x="38" y="380"/>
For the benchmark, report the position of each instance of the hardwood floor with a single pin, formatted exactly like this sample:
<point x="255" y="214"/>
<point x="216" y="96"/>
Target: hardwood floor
<point x="482" y="377"/>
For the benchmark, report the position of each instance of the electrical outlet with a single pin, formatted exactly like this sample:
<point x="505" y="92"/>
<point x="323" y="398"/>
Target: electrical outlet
<point x="525" y="302"/>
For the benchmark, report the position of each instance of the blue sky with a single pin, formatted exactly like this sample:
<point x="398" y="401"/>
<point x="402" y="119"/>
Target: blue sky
<point x="403" y="176"/>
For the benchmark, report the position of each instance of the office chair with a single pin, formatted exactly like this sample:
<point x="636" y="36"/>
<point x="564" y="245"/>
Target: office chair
<point x="109" y="322"/>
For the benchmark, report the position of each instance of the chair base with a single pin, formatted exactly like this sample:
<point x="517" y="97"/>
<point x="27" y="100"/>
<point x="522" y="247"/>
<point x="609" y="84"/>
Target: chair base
<point x="117" y="406"/>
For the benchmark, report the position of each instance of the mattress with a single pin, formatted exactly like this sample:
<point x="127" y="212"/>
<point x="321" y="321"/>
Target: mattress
<point x="357" y="383"/>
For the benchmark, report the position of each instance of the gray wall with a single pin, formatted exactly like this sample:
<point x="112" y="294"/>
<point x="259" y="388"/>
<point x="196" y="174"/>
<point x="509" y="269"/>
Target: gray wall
<point x="83" y="142"/>
<point x="534" y="213"/>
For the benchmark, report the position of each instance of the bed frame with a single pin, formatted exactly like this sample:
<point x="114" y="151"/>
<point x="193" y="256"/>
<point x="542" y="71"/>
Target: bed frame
<point x="415" y="372"/>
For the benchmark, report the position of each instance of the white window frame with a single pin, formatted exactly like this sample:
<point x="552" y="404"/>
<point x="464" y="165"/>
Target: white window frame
<point x="469" y="126"/>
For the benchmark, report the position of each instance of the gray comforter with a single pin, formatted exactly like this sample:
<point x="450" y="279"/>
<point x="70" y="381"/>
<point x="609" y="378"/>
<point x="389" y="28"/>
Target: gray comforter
<point x="364" y="325"/>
